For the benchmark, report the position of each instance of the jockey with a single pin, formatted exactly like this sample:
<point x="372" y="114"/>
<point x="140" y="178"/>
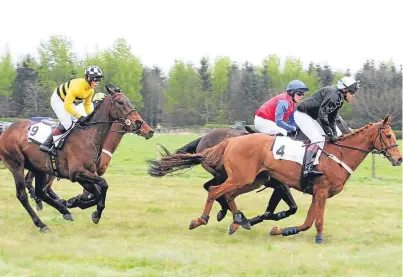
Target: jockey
<point x="62" y="102"/>
<point x="271" y="116"/>
<point x="316" y="116"/>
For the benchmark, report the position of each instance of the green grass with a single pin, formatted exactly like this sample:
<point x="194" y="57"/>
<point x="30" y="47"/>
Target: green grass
<point x="144" y="228"/>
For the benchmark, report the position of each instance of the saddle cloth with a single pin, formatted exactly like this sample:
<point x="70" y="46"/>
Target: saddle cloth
<point x="37" y="133"/>
<point x="285" y="148"/>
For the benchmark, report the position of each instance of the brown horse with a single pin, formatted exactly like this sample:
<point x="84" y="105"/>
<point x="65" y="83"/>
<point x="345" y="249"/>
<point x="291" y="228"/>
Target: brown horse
<point x="246" y="157"/>
<point x="112" y="142"/>
<point x="76" y="160"/>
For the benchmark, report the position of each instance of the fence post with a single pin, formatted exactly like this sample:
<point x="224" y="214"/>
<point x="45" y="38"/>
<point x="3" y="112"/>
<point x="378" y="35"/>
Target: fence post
<point x="373" y="166"/>
<point x="157" y="148"/>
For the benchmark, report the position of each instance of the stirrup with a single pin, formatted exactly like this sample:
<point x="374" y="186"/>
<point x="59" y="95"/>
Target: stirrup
<point x="314" y="173"/>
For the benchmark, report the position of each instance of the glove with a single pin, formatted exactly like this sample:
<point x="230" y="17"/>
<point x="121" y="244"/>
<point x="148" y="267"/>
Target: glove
<point x="332" y="138"/>
<point x="291" y="133"/>
<point x="82" y="120"/>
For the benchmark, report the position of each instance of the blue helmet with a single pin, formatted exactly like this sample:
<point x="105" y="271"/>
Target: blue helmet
<point x="296" y="86"/>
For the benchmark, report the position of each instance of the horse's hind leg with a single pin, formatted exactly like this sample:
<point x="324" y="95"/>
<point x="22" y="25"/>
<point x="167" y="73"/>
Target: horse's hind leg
<point x="40" y="179"/>
<point x="18" y="174"/>
<point x="239" y="218"/>
<point x="221" y="200"/>
<point x="214" y="192"/>
<point x="28" y="183"/>
<point x="283" y="192"/>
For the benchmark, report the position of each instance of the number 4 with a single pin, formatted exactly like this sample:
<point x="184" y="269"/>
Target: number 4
<point x="280" y="151"/>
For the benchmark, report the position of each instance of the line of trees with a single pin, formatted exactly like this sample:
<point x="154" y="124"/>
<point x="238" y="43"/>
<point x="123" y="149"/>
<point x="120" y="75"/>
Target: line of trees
<point x="217" y="92"/>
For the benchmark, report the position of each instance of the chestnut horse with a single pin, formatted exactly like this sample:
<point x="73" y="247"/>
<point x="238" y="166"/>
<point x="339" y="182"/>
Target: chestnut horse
<point x="281" y="191"/>
<point x="76" y="160"/>
<point x="246" y="157"/>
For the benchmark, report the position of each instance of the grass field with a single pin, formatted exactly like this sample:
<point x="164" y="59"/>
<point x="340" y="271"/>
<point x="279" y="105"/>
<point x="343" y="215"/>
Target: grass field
<point x="144" y="228"/>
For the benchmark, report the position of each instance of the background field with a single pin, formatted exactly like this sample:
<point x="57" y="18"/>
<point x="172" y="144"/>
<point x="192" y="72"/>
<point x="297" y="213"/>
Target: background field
<point x="144" y="229"/>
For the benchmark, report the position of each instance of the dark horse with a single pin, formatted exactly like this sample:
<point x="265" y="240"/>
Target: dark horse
<point x="111" y="143"/>
<point x="76" y="161"/>
<point x="246" y="157"/>
<point x="219" y="175"/>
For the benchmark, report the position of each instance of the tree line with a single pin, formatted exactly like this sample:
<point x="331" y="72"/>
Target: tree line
<point x="216" y="91"/>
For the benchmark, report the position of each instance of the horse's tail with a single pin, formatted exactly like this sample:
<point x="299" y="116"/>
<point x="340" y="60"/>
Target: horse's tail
<point x="168" y="164"/>
<point x="190" y="147"/>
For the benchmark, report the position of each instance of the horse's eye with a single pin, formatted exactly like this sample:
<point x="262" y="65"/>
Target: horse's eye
<point x="120" y="102"/>
<point x="389" y="136"/>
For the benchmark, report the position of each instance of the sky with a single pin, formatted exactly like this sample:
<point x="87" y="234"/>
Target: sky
<point x="340" y="33"/>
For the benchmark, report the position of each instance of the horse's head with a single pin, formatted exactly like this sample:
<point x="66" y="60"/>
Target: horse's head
<point x="385" y="142"/>
<point x="121" y="109"/>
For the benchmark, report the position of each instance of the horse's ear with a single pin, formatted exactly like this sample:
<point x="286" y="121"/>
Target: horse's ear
<point x="109" y="90"/>
<point x="387" y="120"/>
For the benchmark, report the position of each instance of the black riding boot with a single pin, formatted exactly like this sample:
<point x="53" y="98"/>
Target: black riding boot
<point x="46" y="146"/>
<point x="308" y="172"/>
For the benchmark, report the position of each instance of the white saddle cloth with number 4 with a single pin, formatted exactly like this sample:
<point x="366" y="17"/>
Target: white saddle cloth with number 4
<point x="285" y="148"/>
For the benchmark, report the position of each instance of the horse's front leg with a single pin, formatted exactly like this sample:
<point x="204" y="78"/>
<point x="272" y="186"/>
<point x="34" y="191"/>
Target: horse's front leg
<point x="84" y="200"/>
<point x="315" y="212"/>
<point x="89" y="181"/>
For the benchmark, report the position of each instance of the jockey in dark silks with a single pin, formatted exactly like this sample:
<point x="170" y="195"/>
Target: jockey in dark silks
<point x="316" y="117"/>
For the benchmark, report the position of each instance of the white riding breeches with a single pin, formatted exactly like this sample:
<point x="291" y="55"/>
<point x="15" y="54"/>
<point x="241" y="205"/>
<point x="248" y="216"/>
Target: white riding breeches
<point x="311" y="128"/>
<point x="57" y="104"/>
<point x="268" y="127"/>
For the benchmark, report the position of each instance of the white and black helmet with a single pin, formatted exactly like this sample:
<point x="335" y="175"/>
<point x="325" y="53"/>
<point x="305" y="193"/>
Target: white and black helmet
<point x="348" y="83"/>
<point x="93" y="73"/>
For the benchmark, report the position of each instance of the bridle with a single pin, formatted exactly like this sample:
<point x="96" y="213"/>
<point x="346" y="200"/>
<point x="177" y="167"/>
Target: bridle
<point x="124" y="121"/>
<point x="372" y="150"/>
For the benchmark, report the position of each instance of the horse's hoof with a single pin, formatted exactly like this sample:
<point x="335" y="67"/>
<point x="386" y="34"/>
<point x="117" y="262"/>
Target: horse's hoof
<point x="319" y="239"/>
<point x="95" y="217"/>
<point x="232" y="228"/>
<point x="192" y="225"/>
<point x="44" y="229"/>
<point x="221" y="214"/>
<point x="39" y="206"/>
<point x="68" y="217"/>
<point x="275" y="231"/>
<point x="246" y="224"/>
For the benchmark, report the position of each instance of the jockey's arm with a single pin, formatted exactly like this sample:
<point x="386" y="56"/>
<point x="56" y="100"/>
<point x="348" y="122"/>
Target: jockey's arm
<point x="281" y="108"/>
<point x="87" y="103"/>
<point x="332" y="123"/>
<point x="69" y="100"/>
<point x="325" y="111"/>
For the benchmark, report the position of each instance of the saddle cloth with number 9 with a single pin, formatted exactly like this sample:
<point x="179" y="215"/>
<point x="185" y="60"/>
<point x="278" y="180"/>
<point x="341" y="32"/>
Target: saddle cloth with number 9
<point x="38" y="133"/>
<point x="285" y="148"/>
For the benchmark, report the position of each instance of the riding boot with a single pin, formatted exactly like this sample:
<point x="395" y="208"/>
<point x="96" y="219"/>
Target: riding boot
<point x="308" y="172"/>
<point x="46" y="146"/>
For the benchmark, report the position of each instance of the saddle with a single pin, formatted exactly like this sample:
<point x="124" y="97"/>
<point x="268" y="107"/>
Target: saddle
<point x="37" y="133"/>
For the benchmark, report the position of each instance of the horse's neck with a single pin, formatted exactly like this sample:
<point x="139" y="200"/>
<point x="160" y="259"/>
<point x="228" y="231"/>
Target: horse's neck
<point x="103" y="125"/>
<point x="354" y="158"/>
<point x="113" y="139"/>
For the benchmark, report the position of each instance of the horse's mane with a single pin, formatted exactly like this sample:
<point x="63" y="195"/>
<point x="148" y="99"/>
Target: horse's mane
<point x="97" y="105"/>
<point x="359" y="131"/>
